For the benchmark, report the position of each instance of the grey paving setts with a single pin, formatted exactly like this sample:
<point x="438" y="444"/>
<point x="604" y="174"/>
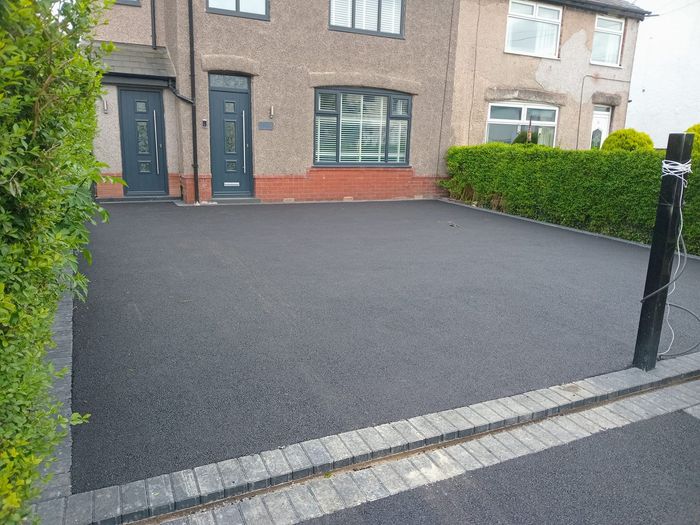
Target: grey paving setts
<point x="184" y="489"/>
<point x="62" y="358"/>
<point x="393" y="477"/>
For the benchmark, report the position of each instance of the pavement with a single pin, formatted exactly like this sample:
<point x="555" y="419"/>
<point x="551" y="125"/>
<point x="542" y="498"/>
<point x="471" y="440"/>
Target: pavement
<point x="648" y="472"/>
<point x="211" y="333"/>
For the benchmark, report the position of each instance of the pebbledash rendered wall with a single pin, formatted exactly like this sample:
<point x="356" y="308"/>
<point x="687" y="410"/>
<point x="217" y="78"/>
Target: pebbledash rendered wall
<point x="486" y="73"/>
<point x="286" y="58"/>
<point x="452" y="60"/>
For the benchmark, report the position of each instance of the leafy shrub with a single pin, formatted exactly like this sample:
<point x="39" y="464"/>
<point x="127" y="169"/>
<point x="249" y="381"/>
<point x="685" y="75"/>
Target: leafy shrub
<point x="695" y="129"/>
<point x="49" y="81"/>
<point x="609" y="192"/>
<point x="628" y="140"/>
<point x="521" y="138"/>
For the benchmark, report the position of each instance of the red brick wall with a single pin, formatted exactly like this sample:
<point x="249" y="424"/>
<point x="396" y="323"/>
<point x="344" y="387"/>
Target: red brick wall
<point x="187" y="184"/>
<point x="110" y="190"/>
<point x="324" y="184"/>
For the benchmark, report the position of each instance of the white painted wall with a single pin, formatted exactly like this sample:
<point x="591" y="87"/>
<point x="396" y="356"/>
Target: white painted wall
<point x="665" y="90"/>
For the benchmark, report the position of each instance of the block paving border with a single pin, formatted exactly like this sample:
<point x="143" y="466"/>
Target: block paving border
<point x="349" y="488"/>
<point x="244" y="476"/>
<point x="61" y="356"/>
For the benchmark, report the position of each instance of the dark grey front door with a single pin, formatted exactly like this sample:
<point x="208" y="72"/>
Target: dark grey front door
<point x="143" y="142"/>
<point x="229" y="108"/>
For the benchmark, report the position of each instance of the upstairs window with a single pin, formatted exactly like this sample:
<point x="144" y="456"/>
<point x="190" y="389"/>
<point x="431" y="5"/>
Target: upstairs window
<point x="508" y="120"/>
<point x="607" y="41"/>
<point x="375" y="17"/>
<point x="533" y="29"/>
<point x="259" y="9"/>
<point x="361" y="127"/>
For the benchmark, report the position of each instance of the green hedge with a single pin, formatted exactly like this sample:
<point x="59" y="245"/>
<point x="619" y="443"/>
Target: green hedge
<point x="609" y="192"/>
<point x="49" y="82"/>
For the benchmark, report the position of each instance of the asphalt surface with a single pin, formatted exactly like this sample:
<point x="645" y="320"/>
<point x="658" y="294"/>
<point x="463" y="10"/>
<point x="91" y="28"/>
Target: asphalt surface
<point x="216" y="332"/>
<point x="644" y="473"/>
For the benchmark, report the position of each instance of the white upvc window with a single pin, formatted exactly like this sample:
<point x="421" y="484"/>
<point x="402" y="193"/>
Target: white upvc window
<point x="533" y="29"/>
<point x="607" y="41"/>
<point x="507" y="120"/>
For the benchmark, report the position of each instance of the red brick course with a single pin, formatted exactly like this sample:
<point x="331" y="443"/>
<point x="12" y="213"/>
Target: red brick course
<point x="113" y="190"/>
<point x="328" y="184"/>
<point x="318" y="184"/>
<point x="187" y="184"/>
<point x="110" y="190"/>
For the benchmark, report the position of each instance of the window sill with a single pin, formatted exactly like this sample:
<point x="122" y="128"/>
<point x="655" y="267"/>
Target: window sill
<point x="341" y="29"/>
<point x="603" y="64"/>
<point x="226" y="12"/>
<point x="361" y="166"/>
<point x="545" y="57"/>
<point x="132" y="3"/>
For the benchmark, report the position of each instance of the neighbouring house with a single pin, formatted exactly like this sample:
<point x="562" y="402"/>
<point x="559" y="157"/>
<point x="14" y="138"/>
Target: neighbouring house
<point x="664" y="92"/>
<point x="348" y="99"/>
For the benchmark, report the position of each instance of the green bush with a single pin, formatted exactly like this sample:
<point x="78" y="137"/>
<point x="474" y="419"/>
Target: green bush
<point x="609" y="192"/>
<point x="628" y="140"/>
<point x="695" y="129"/>
<point x="49" y="82"/>
<point x="521" y="138"/>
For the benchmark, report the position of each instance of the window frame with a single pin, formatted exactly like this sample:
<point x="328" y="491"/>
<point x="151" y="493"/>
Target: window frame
<point x="533" y="18"/>
<point x="523" y="106"/>
<point x="237" y="12"/>
<point x="620" y="33"/>
<point x="133" y="3"/>
<point x="400" y="35"/>
<point x="391" y="95"/>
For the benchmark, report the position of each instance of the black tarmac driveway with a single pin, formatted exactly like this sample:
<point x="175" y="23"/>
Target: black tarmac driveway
<point x="215" y="332"/>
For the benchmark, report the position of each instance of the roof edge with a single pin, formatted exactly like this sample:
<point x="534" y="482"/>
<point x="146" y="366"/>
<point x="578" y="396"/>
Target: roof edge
<point x="632" y="12"/>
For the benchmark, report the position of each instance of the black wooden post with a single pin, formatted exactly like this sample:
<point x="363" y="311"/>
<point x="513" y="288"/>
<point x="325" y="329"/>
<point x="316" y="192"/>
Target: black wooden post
<point x="663" y="247"/>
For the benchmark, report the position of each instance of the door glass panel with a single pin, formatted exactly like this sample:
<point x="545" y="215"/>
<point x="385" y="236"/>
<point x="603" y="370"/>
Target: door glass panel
<point x="229" y="82"/>
<point x="596" y="139"/>
<point x="144" y="166"/>
<point x="142" y="136"/>
<point x="141" y="106"/>
<point x="229" y="107"/>
<point x="231" y="165"/>
<point x="230" y="136"/>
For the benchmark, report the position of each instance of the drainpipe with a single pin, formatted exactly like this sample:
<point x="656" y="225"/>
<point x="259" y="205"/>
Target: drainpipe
<point x="193" y="87"/>
<point x="154" y="38"/>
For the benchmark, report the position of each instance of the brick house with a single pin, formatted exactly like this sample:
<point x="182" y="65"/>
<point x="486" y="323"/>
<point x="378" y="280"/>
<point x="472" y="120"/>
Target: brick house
<point x="338" y="99"/>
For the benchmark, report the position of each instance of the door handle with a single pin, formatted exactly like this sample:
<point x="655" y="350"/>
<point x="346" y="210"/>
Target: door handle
<point x="155" y="134"/>
<point x="244" y="146"/>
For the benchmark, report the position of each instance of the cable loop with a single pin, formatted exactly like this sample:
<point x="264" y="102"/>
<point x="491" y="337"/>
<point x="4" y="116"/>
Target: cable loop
<point x="672" y="168"/>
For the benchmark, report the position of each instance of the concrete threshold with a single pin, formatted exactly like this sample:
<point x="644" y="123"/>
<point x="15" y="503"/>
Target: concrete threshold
<point x="480" y="434"/>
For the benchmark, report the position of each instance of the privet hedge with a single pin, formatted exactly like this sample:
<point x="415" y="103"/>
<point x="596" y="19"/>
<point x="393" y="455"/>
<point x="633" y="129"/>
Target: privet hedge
<point x="49" y="81"/>
<point x="609" y="192"/>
